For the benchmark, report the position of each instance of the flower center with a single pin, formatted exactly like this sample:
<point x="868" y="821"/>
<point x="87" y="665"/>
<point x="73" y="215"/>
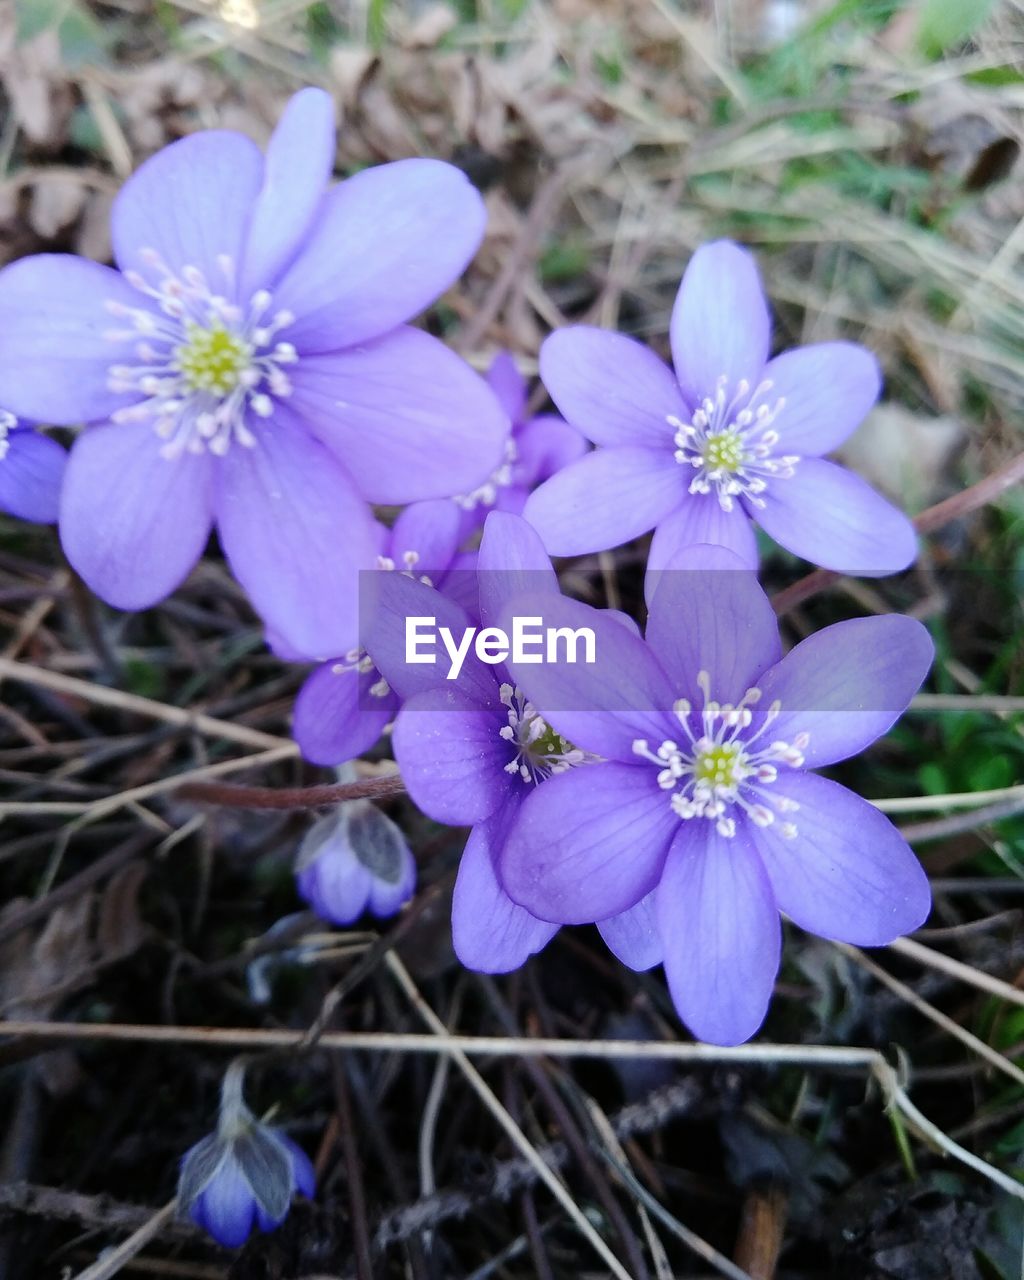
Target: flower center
<point x="7" y="424"/>
<point x="730" y="444"/>
<point x="204" y="367"/>
<point x="212" y="359"/>
<point x="540" y="750"/>
<point x="721" y="767"/>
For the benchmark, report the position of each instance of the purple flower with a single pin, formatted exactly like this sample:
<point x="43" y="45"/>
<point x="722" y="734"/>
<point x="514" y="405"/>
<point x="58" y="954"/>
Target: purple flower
<point x="729" y="437"/>
<point x="31" y="471"/>
<point x="345" y="704"/>
<point x="354" y="860"/>
<point x="537" y="448"/>
<point x="244" y="1174"/>
<point x="249" y="366"/>
<point x="702" y="809"/>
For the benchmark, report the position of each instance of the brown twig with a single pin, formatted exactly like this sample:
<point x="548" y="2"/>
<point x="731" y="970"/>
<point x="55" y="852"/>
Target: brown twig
<point x="927" y="521"/>
<point x="236" y="797"/>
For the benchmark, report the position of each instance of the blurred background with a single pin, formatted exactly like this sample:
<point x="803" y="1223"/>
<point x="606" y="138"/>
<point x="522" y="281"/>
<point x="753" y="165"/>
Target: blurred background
<point x="869" y="151"/>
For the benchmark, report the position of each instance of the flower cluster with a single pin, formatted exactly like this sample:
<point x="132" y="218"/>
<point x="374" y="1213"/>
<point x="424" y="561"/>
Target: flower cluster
<point x="249" y="365"/>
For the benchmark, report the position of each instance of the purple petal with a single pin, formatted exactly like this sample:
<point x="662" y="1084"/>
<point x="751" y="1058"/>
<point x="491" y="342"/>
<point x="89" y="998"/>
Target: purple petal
<point x="713" y="618"/>
<point x="603" y="706"/>
<point x="699" y="520"/>
<point x="191" y="204"/>
<point x="632" y="936"/>
<point x="430" y="530"/>
<point x="296" y="533"/>
<point x="337" y="717"/>
<point x="720" y="325"/>
<point x="302" y="1167"/>
<point x="388" y="242"/>
<point x="31" y="473"/>
<point x="387" y="600"/>
<point x="589" y="843"/>
<point x="226" y="1208"/>
<point x="132" y="522"/>
<point x="490" y="932"/>
<point x="56" y="354"/>
<point x="611" y="388"/>
<point x="848" y="684"/>
<point x="848" y="874"/>
<point x="508" y="384"/>
<point x="452" y="756"/>
<point x="512" y="562"/>
<point x="336" y="885"/>
<point x="408" y="417"/>
<point x="833" y="518"/>
<point x="389" y="896"/>
<point x="300" y="157"/>
<point x="606" y="498"/>
<point x="828" y="387"/>
<point x="544" y="445"/>
<point x="720" y="926"/>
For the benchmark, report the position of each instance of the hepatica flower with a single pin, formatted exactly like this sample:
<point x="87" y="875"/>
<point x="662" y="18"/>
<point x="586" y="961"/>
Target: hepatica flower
<point x="31" y="471"/>
<point x="248" y="365"/>
<point x="704" y="809"/>
<point x="538" y="447"/>
<point x="727" y="438"/>
<point x="344" y="706"/>
<point x="355" y="860"/>
<point x="243" y="1175"/>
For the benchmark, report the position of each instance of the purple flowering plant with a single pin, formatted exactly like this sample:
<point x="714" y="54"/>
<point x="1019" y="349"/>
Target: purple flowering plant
<point x="249" y="364"/>
<point x="703" y="810"/>
<point x="31" y="471"/>
<point x="726" y="438"/>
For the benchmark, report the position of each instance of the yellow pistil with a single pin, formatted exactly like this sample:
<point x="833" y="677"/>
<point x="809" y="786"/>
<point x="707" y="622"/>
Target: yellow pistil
<point x="723" y="451"/>
<point x="212" y="359"/>
<point x="720" y="766"/>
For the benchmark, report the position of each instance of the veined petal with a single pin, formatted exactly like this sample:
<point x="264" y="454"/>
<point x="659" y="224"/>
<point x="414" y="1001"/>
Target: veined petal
<point x="544" y="444"/>
<point x="720" y="324"/>
<point x="296" y="534"/>
<point x="699" y="520"/>
<point x="452" y="757"/>
<point x="191" y="204"/>
<point x="133" y="523"/>
<point x="430" y="530"/>
<point x="337" y="714"/>
<point x="847" y="874"/>
<point x="508" y="384"/>
<point x="606" y="498"/>
<point x="31" y="473"/>
<point x="828" y="388"/>
<point x="602" y="706"/>
<point x="300" y="157"/>
<point x="847" y="685"/>
<point x="588" y="844"/>
<point x="407" y="416"/>
<point x="720" y="926"/>
<point x="512" y="562"/>
<point x="710" y="614"/>
<point x="388" y="242"/>
<point x="57" y="351"/>
<point x="833" y="518"/>
<point x="632" y="936"/>
<point x="490" y="932"/>
<point x="611" y="388"/>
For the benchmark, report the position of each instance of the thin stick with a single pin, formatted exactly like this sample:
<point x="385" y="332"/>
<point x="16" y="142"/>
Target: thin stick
<point x="293" y="797"/>
<point x="957" y="969"/>
<point x="110" y="1264"/>
<point x="131" y="702"/>
<point x="953" y="800"/>
<point x="519" y="1139"/>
